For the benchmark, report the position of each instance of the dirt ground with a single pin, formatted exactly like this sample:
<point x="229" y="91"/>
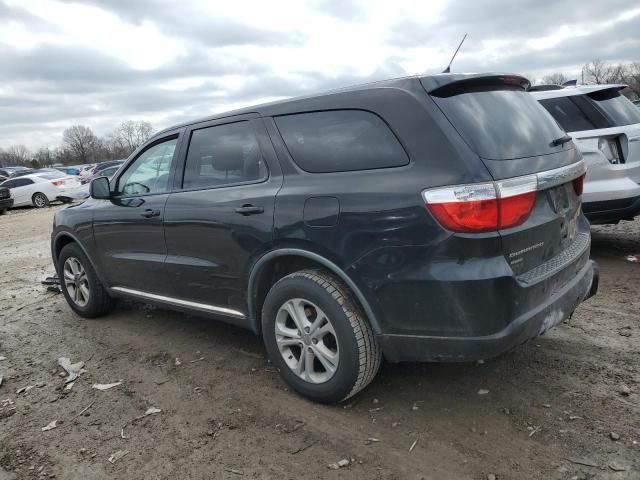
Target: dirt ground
<point x="565" y="406"/>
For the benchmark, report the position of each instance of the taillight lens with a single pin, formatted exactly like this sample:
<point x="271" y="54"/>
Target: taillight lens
<point x="578" y="184"/>
<point x="483" y="207"/>
<point x="57" y="183"/>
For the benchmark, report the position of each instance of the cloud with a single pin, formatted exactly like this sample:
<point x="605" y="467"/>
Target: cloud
<point x="100" y="62"/>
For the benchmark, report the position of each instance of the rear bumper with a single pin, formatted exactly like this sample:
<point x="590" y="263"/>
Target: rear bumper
<point x="6" y="203"/>
<point x="558" y="307"/>
<point x="612" y="211"/>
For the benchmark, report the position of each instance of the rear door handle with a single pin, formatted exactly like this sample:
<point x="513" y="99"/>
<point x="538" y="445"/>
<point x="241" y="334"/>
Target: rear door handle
<point x="148" y="213"/>
<point x="249" y="210"/>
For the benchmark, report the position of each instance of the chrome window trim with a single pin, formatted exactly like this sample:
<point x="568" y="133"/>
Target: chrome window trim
<point x="180" y="303"/>
<point x="558" y="176"/>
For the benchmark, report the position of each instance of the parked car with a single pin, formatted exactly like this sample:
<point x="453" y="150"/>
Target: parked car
<point x="69" y="170"/>
<point x="101" y="166"/>
<point x="433" y="218"/>
<point x="6" y="202"/>
<point x="605" y="126"/>
<point x="5" y="172"/>
<point x="106" y="172"/>
<point x="31" y="171"/>
<point x="39" y="189"/>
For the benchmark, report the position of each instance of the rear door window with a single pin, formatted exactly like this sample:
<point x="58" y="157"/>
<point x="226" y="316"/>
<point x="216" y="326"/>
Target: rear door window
<point x="223" y="155"/>
<point x="616" y="106"/>
<point x="501" y="123"/>
<point x="340" y="141"/>
<point x="567" y="114"/>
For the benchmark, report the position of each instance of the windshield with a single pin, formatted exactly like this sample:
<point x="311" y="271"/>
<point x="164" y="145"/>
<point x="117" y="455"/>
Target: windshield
<point x="502" y="123"/>
<point x="616" y="106"/>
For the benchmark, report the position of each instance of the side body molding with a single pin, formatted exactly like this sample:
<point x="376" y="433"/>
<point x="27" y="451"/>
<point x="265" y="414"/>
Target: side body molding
<point x="256" y="322"/>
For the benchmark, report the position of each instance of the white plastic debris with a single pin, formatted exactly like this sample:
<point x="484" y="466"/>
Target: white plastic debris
<point x="177" y="363"/>
<point x="2" y="358"/>
<point x="1" y="378"/>
<point x="633" y="258"/>
<point x="50" y="426"/>
<point x="69" y="386"/>
<point x="24" y="389"/>
<point x="483" y="391"/>
<point x="106" y="386"/>
<point x="152" y="411"/>
<point x="73" y="369"/>
<point x="114" y="457"/>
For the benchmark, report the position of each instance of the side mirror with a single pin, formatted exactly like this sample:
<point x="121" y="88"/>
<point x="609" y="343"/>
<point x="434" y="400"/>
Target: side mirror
<point x="99" y="188"/>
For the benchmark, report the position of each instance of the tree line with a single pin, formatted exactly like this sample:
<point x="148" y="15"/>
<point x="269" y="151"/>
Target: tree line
<point x="80" y="146"/>
<point x="599" y="72"/>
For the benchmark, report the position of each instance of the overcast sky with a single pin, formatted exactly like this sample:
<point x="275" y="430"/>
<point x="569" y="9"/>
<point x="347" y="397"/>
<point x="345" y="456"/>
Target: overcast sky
<point x="100" y="62"/>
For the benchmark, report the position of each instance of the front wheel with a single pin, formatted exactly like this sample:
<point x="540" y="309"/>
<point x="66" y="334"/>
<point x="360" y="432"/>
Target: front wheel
<point x="318" y="338"/>
<point x="40" y="200"/>
<point x="81" y="287"/>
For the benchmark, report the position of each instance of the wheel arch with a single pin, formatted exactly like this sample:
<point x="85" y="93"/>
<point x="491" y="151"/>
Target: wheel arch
<point x="261" y="275"/>
<point x="64" y="238"/>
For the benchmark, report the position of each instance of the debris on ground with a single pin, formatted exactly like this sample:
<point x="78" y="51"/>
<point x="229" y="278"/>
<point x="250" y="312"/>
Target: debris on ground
<point x="1" y="379"/>
<point x="74" y="370"/>
<point x="617" y="467"/>
<point x="491" y="476"/>
<point x="624" y="390"/>
<point x="234" y="471"/>
<point x="2" y="358"/>
<point x="533" y="430"/>
<point x="587" y="462"/>
<point x="152" y="411"/>
<point x="341" y="464"/>
<point x="83" y="410"/>
<point x="114" y="457"/>
<point x="177" y="362"/>
<point x="24" y="389"/>
<point x="50" y="426"/>
<point x="413" y="445"/>
<point x="371" y="440"/>
<point x="106" y="386"/>
<point x="483" y="391"/>
<point x="52" y="284"/>
<point x="614" y="436"/>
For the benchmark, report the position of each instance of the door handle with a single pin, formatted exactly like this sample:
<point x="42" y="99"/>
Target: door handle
<point x="249" y="210"/>
<point x="149" y="213"/>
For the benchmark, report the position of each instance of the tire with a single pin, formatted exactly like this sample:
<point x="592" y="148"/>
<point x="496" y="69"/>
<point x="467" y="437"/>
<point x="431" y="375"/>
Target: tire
<point x="348" y="337"/>
<point x="97" y="301"/>
<point x="40" y="200"/>
<point x="65" y="199"/>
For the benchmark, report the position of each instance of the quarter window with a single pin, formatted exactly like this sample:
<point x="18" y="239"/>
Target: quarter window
<point x="149" y="173"/>
<point x="223" y="155"/>
<point x="340" y="141"/>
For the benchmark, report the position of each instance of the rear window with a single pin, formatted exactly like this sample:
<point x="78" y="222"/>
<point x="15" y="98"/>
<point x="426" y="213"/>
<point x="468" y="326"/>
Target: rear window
<point x="501" y="123"/>
<point x="340" y="141"/>
<point x="51" y="176"/>
<point x="568" y="114"/>
<point x="616" y="106"/>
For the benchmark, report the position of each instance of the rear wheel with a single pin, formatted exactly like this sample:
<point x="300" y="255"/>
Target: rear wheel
<point x="318" y="338"/>
<point x="81" y="287"/>
<point x="40" y="200"/>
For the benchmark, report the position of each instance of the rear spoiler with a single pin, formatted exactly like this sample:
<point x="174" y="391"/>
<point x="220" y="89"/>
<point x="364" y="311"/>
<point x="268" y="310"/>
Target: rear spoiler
<point x="445" y="85"/>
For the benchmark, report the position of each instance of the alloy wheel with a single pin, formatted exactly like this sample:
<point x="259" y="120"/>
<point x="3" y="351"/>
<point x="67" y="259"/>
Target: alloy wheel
<point x="307" y="340"/>
<point x="76" y="281"/>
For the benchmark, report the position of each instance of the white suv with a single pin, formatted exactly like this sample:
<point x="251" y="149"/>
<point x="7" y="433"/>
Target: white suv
<point x="605" y="126"/>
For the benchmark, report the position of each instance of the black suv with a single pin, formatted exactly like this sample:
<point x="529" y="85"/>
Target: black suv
<point x="432" y="218"/>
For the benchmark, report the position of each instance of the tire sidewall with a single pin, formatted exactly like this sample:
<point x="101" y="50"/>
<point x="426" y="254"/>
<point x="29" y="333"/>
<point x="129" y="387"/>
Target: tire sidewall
<point x="346" y="375"/>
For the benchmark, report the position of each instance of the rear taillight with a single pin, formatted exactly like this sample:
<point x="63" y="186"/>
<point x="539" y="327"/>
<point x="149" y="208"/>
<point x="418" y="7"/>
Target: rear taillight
<point x="483" y="207"/>
<point x="57" y="183"/>
<point x="578" y="184"/>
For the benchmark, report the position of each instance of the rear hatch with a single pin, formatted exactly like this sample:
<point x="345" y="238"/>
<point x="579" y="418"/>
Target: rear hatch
<point x="516" y="138"/>
<point x="601" y="119"/>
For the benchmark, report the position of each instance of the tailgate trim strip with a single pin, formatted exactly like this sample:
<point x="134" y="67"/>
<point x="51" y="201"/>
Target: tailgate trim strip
<point x="558" y="176"/>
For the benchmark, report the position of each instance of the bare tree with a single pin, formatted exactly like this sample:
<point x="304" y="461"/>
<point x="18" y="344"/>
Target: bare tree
<point x="81" y="141"/>
<point x="556" y="78"/>
<point x="15" y="155"/>
<point x="130" y="135"/>
<point x="43" y="157"/>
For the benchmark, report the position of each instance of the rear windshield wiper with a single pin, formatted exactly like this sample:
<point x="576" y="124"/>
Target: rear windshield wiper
<point x="561" y="141"/>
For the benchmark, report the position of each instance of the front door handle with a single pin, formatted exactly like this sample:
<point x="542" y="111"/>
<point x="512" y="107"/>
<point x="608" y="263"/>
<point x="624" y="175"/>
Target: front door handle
<point x="149" y="213"/>
<point x="249" y="210"/>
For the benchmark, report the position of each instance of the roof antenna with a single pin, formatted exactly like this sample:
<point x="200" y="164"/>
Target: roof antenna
<point x="448" y="69"/>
